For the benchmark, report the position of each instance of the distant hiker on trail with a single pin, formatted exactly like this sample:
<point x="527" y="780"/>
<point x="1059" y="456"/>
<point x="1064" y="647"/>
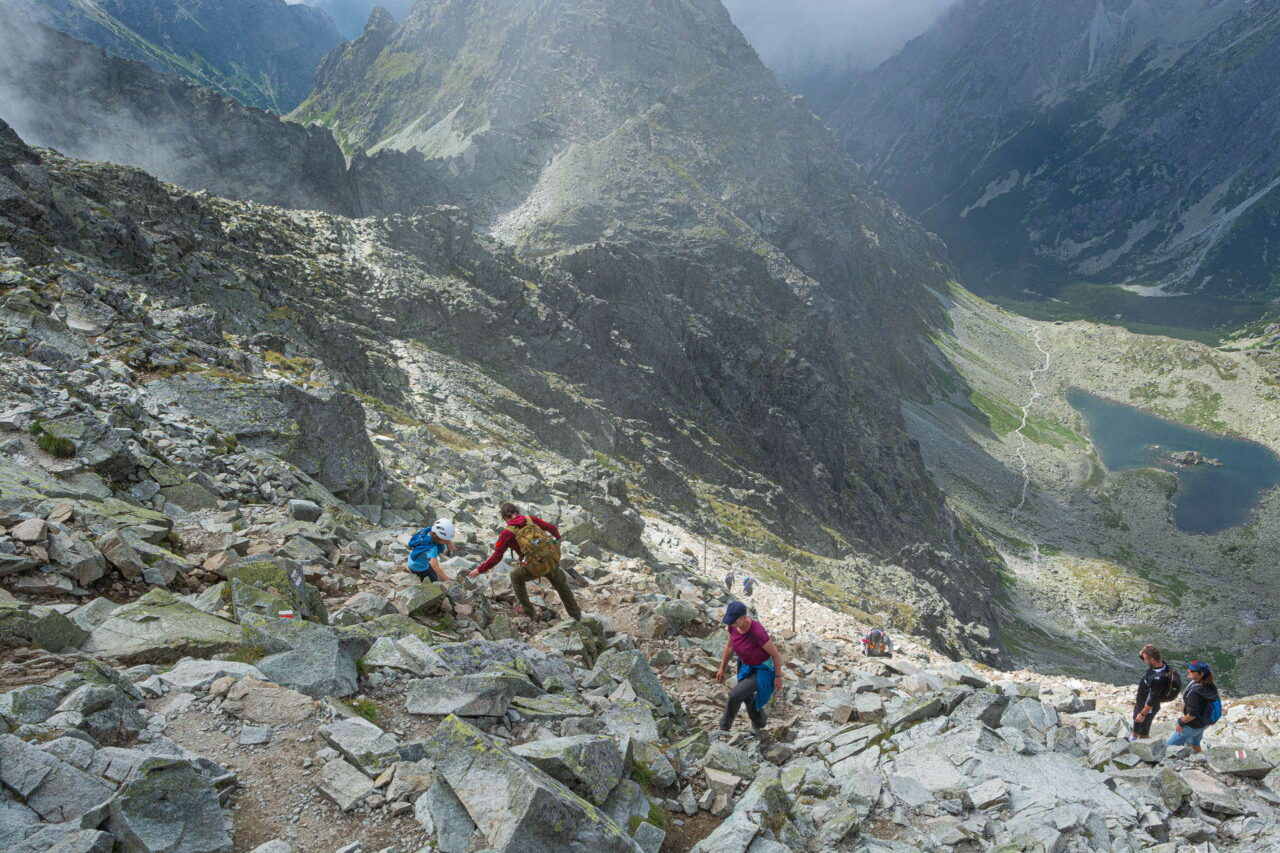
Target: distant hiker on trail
<point x="1201" y="707"/>
<point x="759" y="668"/>
<point x="1159" y="684"/>
<point x="426" y="547"/>
<point x="537" y="543"/>
<point x="748" y="587"/>
<point x="728" y="582"/>
<point x="877" y="643"/>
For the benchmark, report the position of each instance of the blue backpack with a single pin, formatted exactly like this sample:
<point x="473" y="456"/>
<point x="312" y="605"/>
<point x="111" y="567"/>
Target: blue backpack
<point x="421" y="539"/>
<point x="1215" y="711"/>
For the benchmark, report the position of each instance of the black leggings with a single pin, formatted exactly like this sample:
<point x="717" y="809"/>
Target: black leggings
<point x="743" y="691"/>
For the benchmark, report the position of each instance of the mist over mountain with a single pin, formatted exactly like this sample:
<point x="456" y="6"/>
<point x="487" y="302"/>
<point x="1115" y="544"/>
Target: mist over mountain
<point x="1123" y="143"/>
<point x="263" y="53"/>
<point x="802" y="39"/>
<point x="75" y="97"/>
<point x="350" y="16"/>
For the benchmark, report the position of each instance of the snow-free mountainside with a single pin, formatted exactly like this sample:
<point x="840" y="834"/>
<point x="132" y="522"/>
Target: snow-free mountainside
<point x="590" y="258"/>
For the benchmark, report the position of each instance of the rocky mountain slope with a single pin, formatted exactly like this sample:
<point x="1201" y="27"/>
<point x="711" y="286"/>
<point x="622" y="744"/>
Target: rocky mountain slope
<point x="650" y="152"/>
<point x="263" y="53"/>
<point x="177" y="475"/>
<point x="1114" y="142"/>
<point x="65" y="94"/>
<point x="415" y="314"/>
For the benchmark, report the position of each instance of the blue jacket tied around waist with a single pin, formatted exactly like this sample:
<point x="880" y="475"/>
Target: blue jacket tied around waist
<point x="764" y="680"/>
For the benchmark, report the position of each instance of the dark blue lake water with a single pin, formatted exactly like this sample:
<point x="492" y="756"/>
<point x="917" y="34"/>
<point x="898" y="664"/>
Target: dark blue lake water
<point x="1210" y="498"/>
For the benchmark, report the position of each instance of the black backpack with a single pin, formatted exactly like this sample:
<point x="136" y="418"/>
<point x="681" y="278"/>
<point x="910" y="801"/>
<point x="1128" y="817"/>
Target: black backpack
<point x="1174" y="690"/>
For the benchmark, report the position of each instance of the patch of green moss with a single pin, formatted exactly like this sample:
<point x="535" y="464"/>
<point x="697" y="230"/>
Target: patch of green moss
<point x="452" y="440"/>
<point x="56" y="446"/>
<point x="248" y="654"/>
<point x="366" y="708"/>
<point x="642" y="776"/>
<point x="298" y="366"/>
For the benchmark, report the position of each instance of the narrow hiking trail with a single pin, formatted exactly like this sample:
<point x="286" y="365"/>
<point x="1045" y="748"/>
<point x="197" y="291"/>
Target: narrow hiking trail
<point x="1080" y="624"/>
<point x="1021" y="430"/>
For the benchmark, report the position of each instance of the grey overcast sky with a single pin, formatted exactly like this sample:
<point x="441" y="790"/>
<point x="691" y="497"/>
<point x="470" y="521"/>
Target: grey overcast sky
<point x="793" y="36"/>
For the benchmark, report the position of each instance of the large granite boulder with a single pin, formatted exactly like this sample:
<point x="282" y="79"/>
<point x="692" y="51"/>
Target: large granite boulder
<point x="48" y="786"/>
<point x="479" y="655"/>
<point x="267" y="587"/>
<point x="322" y="432"/>
<point x="610" y="524"/>
<point x="160" y="628"/>
<point x="484" y="694"/>
<point x="168" y="806"/>
<point x="517" y="807"/>
<point x="32" y="625"/>
<point x="633" y="667"/>
<point x="365" y="745"/>
<point x="314" y="659"/>
<point x="591" y="765"/>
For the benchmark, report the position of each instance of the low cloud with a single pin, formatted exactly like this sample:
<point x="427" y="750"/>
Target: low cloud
<point x="799" y="37"/>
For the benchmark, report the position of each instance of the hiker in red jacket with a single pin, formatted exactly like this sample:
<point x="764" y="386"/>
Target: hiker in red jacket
<point x="523" y="572"/>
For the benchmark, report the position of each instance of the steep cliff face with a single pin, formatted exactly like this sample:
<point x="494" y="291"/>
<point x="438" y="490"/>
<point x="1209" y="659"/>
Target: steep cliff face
<point x="1115" y="141"/>
<point x="260" y="52"/>
<point x="62" y="93"/>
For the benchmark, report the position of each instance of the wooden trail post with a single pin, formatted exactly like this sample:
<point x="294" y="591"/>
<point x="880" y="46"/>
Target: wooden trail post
<point x="795" y="580"/>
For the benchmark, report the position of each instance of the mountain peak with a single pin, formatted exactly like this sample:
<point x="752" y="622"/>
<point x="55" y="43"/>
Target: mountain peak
<point x="379" y="20"/>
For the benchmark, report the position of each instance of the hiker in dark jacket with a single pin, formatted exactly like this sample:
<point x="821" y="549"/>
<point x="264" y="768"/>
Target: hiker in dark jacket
<point x="1199" y="700"/>
<point x="877" y="643"/>
<point x="520" y="576"/>
<point x="1151" y="690"/>
<point x="759" y="668"/>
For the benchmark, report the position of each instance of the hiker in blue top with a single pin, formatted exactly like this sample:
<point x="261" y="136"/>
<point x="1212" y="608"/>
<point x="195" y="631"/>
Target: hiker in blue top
<point x="427" y="546"/>
<point x="1202" y="707"/>
<point x="748" y="587"/>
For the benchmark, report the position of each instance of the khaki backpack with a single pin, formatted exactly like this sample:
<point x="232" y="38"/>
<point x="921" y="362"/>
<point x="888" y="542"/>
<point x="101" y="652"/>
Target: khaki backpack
<point x="540" y="549"/>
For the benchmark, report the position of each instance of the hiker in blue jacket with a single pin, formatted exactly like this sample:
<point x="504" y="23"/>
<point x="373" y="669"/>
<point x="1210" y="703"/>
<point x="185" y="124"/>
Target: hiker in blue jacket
<point x="427" y="546"/>
<point x="1202" y="707"/>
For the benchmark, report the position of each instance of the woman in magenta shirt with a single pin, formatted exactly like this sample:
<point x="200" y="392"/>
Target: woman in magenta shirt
<point x="759" y="667"/>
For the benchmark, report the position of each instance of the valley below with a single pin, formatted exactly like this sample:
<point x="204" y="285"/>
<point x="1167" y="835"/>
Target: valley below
<point x="1100" y="561"/>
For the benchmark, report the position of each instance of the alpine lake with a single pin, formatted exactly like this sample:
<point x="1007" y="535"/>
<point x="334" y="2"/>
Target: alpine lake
<point x="1221" y="479"/>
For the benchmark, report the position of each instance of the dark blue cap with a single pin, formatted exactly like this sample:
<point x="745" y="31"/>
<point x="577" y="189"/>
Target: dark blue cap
<point x="735" y="611"/>
<point x="1198" y="666"/>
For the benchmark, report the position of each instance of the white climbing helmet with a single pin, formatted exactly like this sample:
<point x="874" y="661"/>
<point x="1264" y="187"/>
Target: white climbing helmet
<point x="444" y="529"/>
